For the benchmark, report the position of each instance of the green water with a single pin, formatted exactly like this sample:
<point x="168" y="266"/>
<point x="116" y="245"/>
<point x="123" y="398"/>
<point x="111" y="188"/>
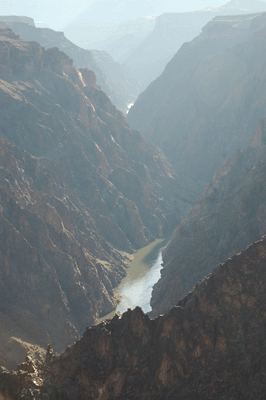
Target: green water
<point x="138" y="269"/>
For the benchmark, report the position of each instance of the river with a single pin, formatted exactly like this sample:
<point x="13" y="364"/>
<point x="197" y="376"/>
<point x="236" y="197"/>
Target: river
<point x="129" y="107"/>
<point x="143" y="272"/>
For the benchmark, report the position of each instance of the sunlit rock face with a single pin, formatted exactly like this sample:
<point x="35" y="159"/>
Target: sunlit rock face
<point x="210" y="346"/>
<point x="209" y="98"/>
<point x="78" y="189"/>
<point x="112" y="77"/>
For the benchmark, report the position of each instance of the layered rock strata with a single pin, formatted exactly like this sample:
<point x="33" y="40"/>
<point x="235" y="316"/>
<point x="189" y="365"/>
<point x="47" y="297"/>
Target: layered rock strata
<point x="212" y="345"/>
<point x="114" y="80"/>
<point x="78" y="190"/>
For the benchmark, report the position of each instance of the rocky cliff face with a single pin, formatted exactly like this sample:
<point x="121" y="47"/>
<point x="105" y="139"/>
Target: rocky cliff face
<point x="78" y="189"/>
<point x="212" y="345"/>
<point x="112" y="77"/>
<point x="146" y="45"/>
<point x="171" y="30"/>
<point x="210" y="96"/>
<point x="228" y="217"/>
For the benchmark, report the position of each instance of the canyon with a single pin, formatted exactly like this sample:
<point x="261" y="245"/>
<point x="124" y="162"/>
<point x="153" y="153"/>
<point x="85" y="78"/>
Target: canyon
<point x="211" y="345"/>
<point x="228" y="216"/>
<point x="150" y="34"/>
<point x="209" y="98"/>
<point x="172" y="29"/>
<point x="79" y="190"/>
<point x="112" y="78"/>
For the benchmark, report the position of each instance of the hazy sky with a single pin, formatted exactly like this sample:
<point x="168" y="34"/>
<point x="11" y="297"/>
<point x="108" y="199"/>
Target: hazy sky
<point x="58" y="13"/>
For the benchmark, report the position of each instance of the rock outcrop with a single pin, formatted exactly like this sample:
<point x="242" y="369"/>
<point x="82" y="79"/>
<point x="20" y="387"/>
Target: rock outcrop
<point x="212" y="345"/>
<point x="78" y="190"/>
<point x="229" y="216"/>
<point x="210" y="96"/>
<point x="171" y="30"/>
<point x="121" y="88"/>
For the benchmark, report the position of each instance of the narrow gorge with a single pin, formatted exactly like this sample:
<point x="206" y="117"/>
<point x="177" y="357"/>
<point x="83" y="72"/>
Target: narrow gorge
<point x="97" y="301"/>
<point x="143" y="272"/>
<point x="79" y="192"/>
<point x="211" y="345"/>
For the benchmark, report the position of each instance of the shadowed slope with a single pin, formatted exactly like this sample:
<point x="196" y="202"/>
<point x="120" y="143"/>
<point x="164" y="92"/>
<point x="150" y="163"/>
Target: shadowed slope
<point x="210" y="96"/>
<point x="78" y="189"/>
<point x="229" y="216"/>
<point x="210" y="346"/>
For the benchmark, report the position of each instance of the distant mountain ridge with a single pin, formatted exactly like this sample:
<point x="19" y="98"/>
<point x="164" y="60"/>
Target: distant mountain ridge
<point x="111" y="77"/>
<point x="210" y="96"/>
<point x="148" y="60"/>
<point x="247" y="5"/>
<point x="93" y="24"/>
<point x="126" y="37"/>
<point x="103" y="17"/>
